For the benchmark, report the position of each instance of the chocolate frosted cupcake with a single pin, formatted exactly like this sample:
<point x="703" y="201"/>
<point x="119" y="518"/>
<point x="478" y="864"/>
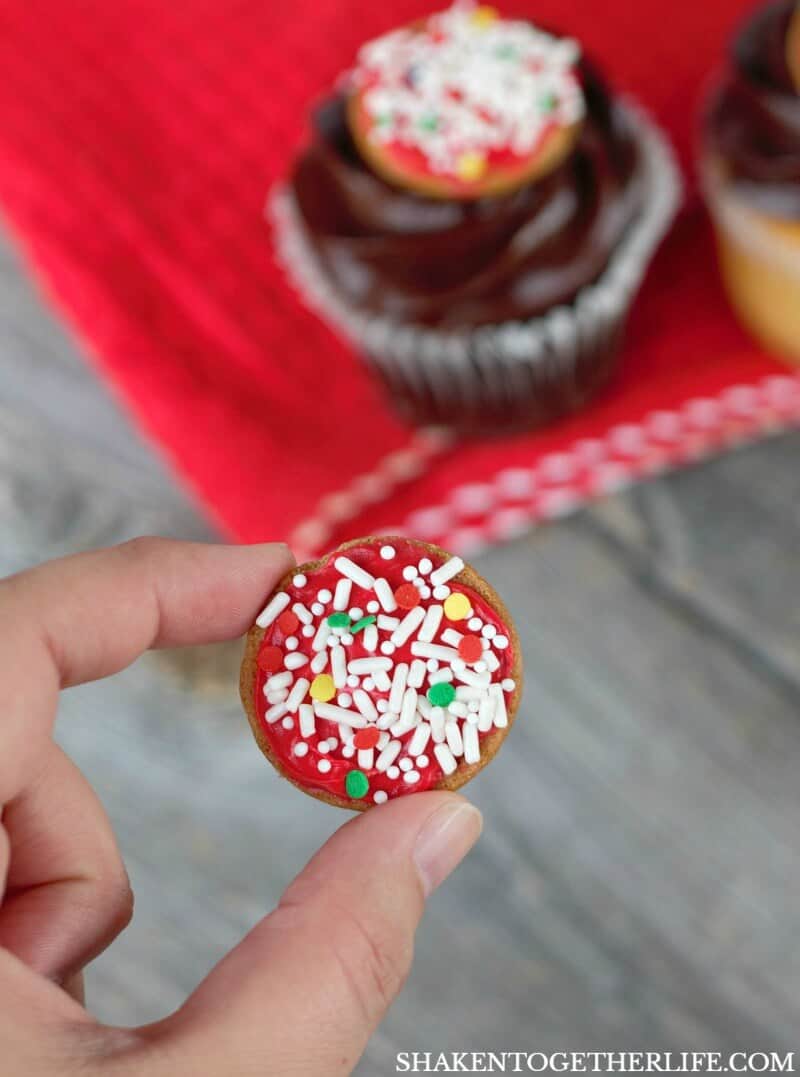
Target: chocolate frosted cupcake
<point x="476" y="213"/>
<point x="751" y="172"/>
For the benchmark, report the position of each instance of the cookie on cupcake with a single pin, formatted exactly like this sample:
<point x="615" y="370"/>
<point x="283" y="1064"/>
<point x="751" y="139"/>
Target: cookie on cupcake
<point x="387" y="668"/>
<point x="475" y="209"/>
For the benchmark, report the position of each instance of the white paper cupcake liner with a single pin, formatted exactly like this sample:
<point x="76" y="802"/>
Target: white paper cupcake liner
<point x="496" y="366"/>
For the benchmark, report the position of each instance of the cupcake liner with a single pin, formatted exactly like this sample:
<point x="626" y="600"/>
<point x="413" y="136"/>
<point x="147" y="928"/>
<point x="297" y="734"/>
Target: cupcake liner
<point x="526" y="371"/>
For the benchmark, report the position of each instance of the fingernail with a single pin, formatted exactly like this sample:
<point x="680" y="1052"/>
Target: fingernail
<point x="444" y="840"/>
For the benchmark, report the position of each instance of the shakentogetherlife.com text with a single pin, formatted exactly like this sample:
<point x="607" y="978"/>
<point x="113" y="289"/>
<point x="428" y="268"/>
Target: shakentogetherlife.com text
<point x="595" y="1062"/>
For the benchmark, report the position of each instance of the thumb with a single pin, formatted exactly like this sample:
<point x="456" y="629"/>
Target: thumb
<point x="304" y="990"/>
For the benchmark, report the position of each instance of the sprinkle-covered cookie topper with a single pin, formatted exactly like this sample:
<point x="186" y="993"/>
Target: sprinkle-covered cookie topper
<point x="465" y="103"/>
<point x="385" y="669"/>
<point x="793" y="47"/>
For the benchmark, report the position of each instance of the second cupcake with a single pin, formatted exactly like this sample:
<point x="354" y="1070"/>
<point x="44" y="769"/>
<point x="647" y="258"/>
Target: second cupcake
<point x="476" y="213"/>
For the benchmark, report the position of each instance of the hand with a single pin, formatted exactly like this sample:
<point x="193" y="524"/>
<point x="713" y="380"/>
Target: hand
<point x="303" y="991"/>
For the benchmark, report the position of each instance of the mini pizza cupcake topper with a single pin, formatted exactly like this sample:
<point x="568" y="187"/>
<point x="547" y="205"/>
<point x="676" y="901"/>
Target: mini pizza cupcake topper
<point x="793" y="47"/>
<point x="387" y="668"/>
<point x="465" y="104"/>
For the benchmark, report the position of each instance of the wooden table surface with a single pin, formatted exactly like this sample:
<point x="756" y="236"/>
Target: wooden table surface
<point x="637" y="882"/>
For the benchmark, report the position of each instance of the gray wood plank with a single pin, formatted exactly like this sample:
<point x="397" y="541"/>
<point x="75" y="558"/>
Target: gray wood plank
<point x="635" y="883"/>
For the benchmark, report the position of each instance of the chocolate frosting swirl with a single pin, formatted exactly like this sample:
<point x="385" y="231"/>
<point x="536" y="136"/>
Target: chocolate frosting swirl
<point x="753" y="124"/>
<point x="450" y="264"/>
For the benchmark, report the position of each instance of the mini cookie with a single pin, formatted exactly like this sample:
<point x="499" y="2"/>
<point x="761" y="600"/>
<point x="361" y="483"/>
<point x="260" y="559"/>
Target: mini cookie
<point x="465" y="104"/>
<point x="387" y="668"/>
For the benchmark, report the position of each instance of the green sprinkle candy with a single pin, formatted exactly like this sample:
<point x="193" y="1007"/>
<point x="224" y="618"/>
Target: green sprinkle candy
<point x="362" y="623"/>
<point x="339" y="620"/>
<point x="505" y="52"/>
<point x="441" y="695"/>
<point x="356" y="784"/>
<point x="429" y="123"/>
<point x="549" y="102"/>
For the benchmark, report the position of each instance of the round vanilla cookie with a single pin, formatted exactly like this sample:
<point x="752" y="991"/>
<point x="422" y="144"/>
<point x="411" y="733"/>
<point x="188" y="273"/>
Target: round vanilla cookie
<point x="417" y="695"/>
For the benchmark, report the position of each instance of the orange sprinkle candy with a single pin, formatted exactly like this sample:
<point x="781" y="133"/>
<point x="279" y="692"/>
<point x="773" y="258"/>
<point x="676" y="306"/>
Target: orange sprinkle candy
<point x="406" y="596"/>
<point x="470" y="649"/>
<point x="270" y="659"/>
<point x="288" y="623"/>
<point x="366" y="738"/>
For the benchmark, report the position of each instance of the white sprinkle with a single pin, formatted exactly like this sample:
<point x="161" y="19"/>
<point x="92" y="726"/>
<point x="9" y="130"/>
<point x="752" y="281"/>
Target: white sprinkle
<point x="365" y="757"/>
<point x="419" y="583"/>
<point x="373" y="606"/>
<point x="308" y="723"/>
<point x="437" y="724"/>
<point x="432" y="665"/>
<point x="419" y="739"/>
<point x="500" y="712"/>
<point x="353" y="681"/>
<point x="472" y="748"/>
<point x="339" y="714"/>
<point x="382" y="705"/>
<point x="291" y="643"/>
<point x="406" y="764"/>
<point x="388" y="755"/>
<point x="383" y="740"/>
<point x="424" y="592"/>
<point x="473" y="707"/>
<point x="380" y="796"/>
<point x="385" y="595"/>
<point x="317" y="609"/>
<point x="410" y="623"/>
<point x="423" y="761"/>
<point x="452" y="637"/>
<point x="275" y="712"/>
<point x="409" y="572"/>
<point x="400" y="727"/>
<point x="295" y="661"/>
<point x="424" y="706"/>
<point x="302" y="613"/>
<point x="301" y="748"/>
<point x="441" y="675"/>
<point x="368" y="684"/>
<point x="434" y="650"/>
<point x="275" y="606"/>
<point x="300" y="580"/>
<point x="341" y="598"/>
<point x="508" y="685"/>
<point x="459" y="665"/>
<point x="491" y="661"/>
<point x="339" y="666"/>
<point x="480" y="666"/>
<point x="458" y="709"/>
<point x="393" y="772"/>
<point x="364" y="704"/>
<point x="297" y="694"/>
<point x="370" y="638"/>
<point x="355" y="613"/>
<point x="445" y="758"/>
<point x="473" y="717"/>
<point x="324" y="595"/>
<point x="387" y="647"/>
<point x="319" y="662"/>
<point x="466" y="693"/>
<point x="488" y="631"/>
<point x="346" y="638"/>
<point x="348" y="751"/>
<point x="486" y="713"/>
<point x="475" y="624"/>
<point x="323" y="766"/>
<point x="381" y="681"/>
<point x="277" y="697"/>
<point x="409" y="705"/>
<point x="344" y="699"/>
<point x="425" y="566"/>
<point x="321" y="638"/>
<point x="368" y="665"/>
<point x="287" y="722"/>
<point x="430" y="626"/>
<point x="399" y="680"/>
<point x="278" y="680"/>
<point x="322" y="747"/>
<point x="453" y="735"/>
<point x="441" y="592"/>
<point x="355" y="573"/>
<point x="308" y="631"/>
<point x="388" y="623"/>
<point x="446" y="571"/>
<point x="500" y="642"/>
<point x="388" y="552"/>
<point x="474" y="680"/>
<point x="345" y="733"/>
<point x="411" y="777"/>
<point x="416" y="674"/>
<point x="333" y="744"/>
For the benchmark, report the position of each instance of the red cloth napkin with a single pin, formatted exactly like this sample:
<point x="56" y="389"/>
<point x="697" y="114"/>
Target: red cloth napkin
<point x="138" y="141"/>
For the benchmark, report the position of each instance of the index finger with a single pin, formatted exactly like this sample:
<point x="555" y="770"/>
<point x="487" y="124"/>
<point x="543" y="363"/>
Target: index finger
<point x="92" y="614"/>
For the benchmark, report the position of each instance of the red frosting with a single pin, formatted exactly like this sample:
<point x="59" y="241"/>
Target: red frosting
<point x="304" y="769"/>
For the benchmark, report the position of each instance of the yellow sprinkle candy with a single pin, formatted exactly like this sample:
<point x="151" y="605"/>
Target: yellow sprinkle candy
<point x="456" y="607"/>
<point x="471" y="166"/>
<point x="484" y="15"/>
<point x="323" y="688"/>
